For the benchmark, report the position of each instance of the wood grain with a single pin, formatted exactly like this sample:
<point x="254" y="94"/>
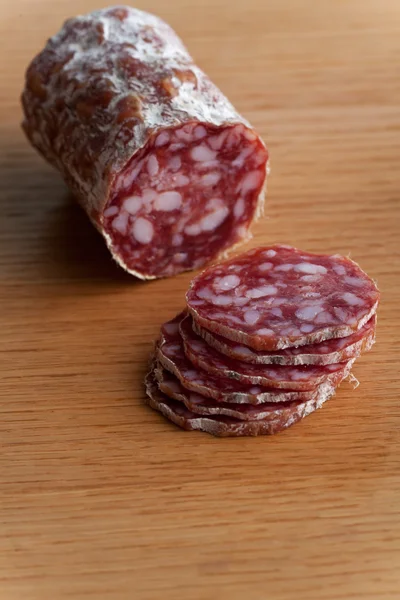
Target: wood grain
<point x="99" y="496"/>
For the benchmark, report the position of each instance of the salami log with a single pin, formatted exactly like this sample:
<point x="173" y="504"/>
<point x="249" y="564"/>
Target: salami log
<point x="222" y="425"/>
<point x="331" y="351"/>
<point x="171" y="355"/>
<point x="164" y="166"/>
<point x="303" y="377"/>
<point x="172" y="387"/>
<point x="276" y="297"/>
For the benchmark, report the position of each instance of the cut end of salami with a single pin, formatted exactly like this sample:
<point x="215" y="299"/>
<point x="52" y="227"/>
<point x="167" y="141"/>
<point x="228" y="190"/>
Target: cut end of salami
<point x="192" y="189"/>
<point x="296" y="351"/>
<point x="167" y="170"/>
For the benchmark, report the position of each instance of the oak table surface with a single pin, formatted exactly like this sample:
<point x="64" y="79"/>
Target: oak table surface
<point x="99" y="496"/>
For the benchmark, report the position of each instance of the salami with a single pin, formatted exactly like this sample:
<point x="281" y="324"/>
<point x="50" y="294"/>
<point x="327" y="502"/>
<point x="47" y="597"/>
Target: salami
<point x="171" y="387"/>
<point x="170" y="354"/>
<point x="275" y="297"/>
<point x="331" y="351"/>
<point x="222" y="425"/>
<point x="303" y="377"/>
<point x="164" y="166"/>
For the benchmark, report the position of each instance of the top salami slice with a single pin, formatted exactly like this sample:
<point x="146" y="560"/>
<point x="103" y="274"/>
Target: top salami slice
<point x="276" y="297"/>
<point x="165" y="167"/>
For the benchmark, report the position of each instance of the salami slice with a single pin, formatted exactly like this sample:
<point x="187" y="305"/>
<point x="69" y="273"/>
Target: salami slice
<point x="171" y="387"/>
<point x="170" y="354"/>
<point x="331" y="351"/>
<point x="162" y="163"/>
<point x="222" y="425"/>
<point x="303" y="377"/>
<point x="276" y="297"/>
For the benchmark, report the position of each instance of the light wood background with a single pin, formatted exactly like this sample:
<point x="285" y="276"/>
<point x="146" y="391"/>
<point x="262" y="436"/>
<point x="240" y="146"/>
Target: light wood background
<point x="99" y="496"/>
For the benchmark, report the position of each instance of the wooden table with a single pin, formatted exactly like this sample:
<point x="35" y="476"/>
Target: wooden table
<point x="99" y="496"/>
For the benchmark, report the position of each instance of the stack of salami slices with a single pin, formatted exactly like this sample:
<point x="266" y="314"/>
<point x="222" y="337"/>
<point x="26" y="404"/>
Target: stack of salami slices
<point x="265" y="339"/>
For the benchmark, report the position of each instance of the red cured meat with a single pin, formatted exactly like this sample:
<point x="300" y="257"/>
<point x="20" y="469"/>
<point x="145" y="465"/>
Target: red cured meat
<point x="162" y="163"/>
<point x="303" y="377"/>
<point x="331" y="351"/>
<point x="172" y="387"/>
<point x="221" y="425"/>
<point x="170" y="354"/>
<point x="276" y="297"/>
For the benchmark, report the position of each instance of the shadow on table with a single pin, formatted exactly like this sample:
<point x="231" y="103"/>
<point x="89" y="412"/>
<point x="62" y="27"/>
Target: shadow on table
<point x="42" y="229"/>
<point x="76" y="248"/>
